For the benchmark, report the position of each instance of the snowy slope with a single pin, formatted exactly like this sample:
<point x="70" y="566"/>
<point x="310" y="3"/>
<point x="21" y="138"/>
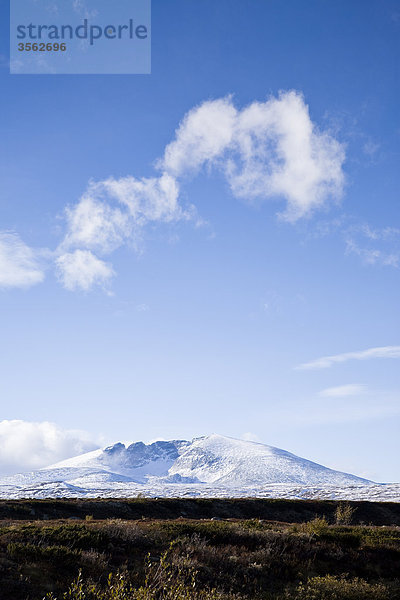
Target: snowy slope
<point x="138" y="461"/>
<point x="211" y="466"/>
<point x="230" y="462"/>
<point x="214" y="459"/>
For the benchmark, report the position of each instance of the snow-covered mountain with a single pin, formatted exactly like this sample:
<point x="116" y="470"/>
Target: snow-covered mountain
<point x="229" y="462"/>
<point x="213" y="466"/>
<point x="214" y="460"/>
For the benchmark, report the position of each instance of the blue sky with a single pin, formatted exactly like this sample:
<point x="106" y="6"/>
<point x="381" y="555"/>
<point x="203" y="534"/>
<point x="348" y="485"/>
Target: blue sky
<point x="184" y="303"/>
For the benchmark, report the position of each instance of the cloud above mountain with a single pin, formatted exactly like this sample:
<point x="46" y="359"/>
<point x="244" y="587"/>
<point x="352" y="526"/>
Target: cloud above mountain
<point x="266" y="150"/>
<point x="26" y="445"/>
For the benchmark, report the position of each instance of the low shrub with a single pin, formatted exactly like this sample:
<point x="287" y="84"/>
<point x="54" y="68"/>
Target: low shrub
<point x="163" y="582"/>
<point x="316" y="527"/>
<point x="339" y="588"/>
<point x="57" y="555"/>
<point x="198" y="559"/>
<point x="344" y="513"/>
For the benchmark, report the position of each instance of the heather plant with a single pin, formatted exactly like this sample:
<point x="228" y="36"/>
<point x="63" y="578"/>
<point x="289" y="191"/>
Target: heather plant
<point x="163" y="582"/>
<point x="184" y="559"/>
<point x="339" y="588"/>
<point x="317" y="526"/>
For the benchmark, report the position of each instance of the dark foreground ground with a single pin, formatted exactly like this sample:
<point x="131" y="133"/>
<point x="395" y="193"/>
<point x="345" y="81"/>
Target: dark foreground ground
<point x="183" y="549"/>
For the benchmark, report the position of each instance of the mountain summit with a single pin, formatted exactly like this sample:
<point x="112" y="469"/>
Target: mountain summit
<point x="213" y="459"/>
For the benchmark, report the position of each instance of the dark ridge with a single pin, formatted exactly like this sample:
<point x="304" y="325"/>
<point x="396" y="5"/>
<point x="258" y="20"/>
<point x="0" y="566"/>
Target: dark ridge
<point x="288" y="511"/>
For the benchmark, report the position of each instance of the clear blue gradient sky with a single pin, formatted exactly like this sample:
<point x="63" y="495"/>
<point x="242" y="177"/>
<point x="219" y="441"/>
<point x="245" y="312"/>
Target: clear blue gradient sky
<point x="203" y="323"/>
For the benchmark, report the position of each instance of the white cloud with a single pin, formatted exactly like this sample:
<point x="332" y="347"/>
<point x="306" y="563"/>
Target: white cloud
<point x="204" y="135"/>
<point x="25" y="445"/>
<point x="19" y="264"/>
<point x="111" y="213"/>
<point x="81" y="270"/>
<point x="328" y="361"/>
<point x="147" y="199"/>
<point x="281" y="154"/>
<point x="113" y="210"/>
<point x="343" y="391"/>
<point x="268" y="149"/>
<point x="94" y="224"/>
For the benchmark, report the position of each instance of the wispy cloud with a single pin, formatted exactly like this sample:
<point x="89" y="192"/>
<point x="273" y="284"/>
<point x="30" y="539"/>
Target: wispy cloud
<point x="111" y="213"/>
<point x="328" y="361"/>
<point x="26" y="445"/>
<point x="375" y="246"/>
<point x="142" y="307"/>
<point x="81" y="270"/>
<point x="82" y="9"/>
<point x="370" y="148"/>
<point x="20" y="265"/>
<point x="343" y="391"/>
<point x="114" y="211"/>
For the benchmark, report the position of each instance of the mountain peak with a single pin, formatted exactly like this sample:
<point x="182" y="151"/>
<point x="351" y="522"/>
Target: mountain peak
<point x="212" y="459"/>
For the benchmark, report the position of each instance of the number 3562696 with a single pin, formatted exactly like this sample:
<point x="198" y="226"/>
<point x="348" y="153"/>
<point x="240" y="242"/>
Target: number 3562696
<point x="41" y="47"/>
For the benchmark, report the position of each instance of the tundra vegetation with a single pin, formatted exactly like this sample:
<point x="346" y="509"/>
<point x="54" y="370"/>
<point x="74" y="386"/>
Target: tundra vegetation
<point x="323" y="558"/>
